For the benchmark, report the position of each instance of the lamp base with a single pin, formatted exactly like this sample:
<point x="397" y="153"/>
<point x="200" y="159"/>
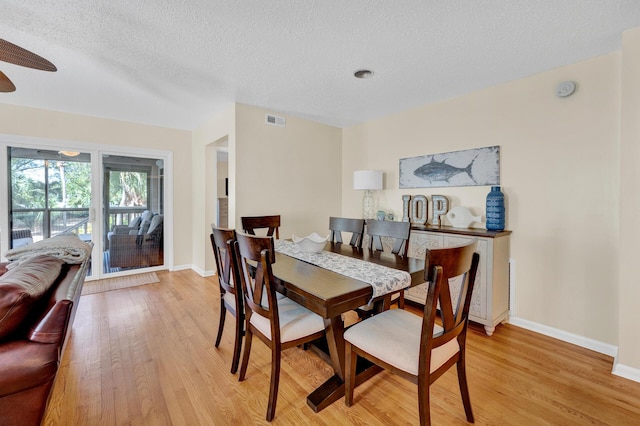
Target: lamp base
<point x="368" y="205"/>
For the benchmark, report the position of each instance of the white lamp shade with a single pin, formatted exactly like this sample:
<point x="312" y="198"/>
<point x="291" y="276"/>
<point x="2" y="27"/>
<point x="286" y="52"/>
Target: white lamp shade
<point x="367" y="179"/>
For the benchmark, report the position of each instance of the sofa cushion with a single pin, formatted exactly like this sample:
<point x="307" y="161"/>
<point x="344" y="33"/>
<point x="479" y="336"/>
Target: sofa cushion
<point x="156" y="223"/>
<point x="22" y="286"/>
<point x="146" y="223"/>
<point x="135" y="223"/>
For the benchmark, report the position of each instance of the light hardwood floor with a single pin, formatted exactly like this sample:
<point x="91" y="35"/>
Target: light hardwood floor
<point x="145" y="355"/>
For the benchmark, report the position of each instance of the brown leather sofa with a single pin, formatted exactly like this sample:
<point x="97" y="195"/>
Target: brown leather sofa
<point x="38" y="301"/>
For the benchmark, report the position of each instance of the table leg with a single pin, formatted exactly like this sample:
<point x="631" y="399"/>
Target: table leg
<point x="334" y="327"/>
<point x="333" y="389"/>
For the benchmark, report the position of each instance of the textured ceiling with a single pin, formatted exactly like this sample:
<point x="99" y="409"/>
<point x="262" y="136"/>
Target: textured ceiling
<point x="177" y="63"/>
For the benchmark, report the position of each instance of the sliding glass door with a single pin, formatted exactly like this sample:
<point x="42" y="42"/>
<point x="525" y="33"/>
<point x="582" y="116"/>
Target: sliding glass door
<point x="133" y="213"/>
<point x="50" y="193"/>
<point x="115" y="201"/>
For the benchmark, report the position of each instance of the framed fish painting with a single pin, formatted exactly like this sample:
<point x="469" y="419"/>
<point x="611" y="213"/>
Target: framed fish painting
<point x="471" y="167"/>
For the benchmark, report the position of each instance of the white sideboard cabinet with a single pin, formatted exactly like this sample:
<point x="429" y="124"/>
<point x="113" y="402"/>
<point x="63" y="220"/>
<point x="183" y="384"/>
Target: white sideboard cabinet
<point x="490" y="298"/>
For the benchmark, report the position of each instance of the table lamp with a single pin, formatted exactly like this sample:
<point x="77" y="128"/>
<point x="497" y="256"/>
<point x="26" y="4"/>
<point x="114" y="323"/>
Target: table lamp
<point x="369" y="180"/>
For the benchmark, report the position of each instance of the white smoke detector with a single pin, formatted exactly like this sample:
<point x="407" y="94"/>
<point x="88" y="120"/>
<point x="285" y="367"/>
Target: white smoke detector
<point x="566" y="88"/>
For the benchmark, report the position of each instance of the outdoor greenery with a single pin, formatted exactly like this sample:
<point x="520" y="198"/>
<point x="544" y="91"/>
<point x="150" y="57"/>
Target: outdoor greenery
<point x="128" y="188"/>
<point x="69" y="184"/>
<point x="54" y="184"/>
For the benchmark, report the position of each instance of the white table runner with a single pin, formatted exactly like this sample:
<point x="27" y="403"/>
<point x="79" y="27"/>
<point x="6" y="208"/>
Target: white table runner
<point x="382" y="279"/>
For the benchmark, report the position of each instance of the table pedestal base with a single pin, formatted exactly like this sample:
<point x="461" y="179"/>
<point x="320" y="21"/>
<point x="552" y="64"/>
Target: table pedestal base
<point x="333" y="389"/>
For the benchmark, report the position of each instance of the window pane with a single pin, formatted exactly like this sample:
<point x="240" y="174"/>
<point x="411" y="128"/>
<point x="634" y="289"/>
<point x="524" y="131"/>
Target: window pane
<point x="69" y="184"/>
<point x="27" y="183"/>
<point x="133" y="219"/>
<point x="128" y="189"/>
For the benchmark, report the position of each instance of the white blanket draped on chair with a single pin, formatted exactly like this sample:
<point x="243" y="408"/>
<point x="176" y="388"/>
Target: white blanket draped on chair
<point x="382" y="279"/>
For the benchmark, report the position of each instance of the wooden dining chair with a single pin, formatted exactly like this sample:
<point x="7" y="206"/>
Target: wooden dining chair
<point x="230" y="289"/>
<point x="396" y="232"/>
<point x="337" y="225"/>
<point x="280" y="323"/>
<point x="417" y="348"/>
<point x="270" y="223"/>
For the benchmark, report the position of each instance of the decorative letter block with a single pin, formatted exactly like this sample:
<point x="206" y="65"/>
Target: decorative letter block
<point x="440" y="207"/>
<point x="405" y="207"/>
<point x="419" y="209"/>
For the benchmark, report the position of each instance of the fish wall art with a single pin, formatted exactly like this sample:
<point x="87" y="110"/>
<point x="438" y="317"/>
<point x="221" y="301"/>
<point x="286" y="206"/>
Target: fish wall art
<point x="471" y="167"/>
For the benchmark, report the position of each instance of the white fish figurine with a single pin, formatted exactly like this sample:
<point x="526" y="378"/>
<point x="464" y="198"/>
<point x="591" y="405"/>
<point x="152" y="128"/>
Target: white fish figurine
<point x="461" y="217"/>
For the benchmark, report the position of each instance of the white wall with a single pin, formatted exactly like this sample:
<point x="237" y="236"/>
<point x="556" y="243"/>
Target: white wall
<point x="38" y="123"/>
<point x="559" y="172"/>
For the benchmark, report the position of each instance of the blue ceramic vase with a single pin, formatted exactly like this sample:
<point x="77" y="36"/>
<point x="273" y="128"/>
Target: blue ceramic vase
<point x="495" y="209"/>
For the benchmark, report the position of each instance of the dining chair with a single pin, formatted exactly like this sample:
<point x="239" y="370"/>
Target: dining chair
<point x="230" y="290"/>
<point x="280" y="323"/>
<point x="270" y="223"/>
<point x="398" y="233"/>
<point x="337" y="225"/>
<point x="417" y="348"/>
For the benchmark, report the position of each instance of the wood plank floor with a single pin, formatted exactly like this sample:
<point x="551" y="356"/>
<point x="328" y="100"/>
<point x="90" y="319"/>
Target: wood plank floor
<point x="145" y="356"/>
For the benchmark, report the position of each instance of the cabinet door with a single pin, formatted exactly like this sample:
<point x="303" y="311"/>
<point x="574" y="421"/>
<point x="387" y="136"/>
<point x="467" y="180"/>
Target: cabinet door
<point x="478" y="308"/>
<point x="419" y="242"/>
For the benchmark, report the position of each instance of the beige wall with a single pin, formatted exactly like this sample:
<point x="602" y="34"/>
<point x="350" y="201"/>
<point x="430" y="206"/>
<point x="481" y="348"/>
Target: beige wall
<point x="559" y="172"/>
<point x="204" y="171"/>
<point x="629" y="294"/>
<point x="569" y="172"/>
<point x="37" y="123"/>
<point x="294" y="171"/>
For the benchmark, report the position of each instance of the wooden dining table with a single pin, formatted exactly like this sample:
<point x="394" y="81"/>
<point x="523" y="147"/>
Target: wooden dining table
<point x="330" y="294"/>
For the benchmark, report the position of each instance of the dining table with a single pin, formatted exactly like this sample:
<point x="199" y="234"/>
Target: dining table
<point x="331" y="294"/>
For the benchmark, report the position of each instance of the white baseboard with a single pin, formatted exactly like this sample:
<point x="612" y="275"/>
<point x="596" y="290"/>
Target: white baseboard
<point x="626" y="371"/>
<point x="182" y="267"/>
<point x="594" y="345"/>
<point x="199" y="271"/>
<point x="621" y="370"/>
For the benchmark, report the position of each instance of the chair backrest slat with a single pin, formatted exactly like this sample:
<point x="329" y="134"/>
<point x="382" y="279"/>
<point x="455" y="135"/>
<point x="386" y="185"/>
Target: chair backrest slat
<point x="255" y="256"/>
<point x="441" y="265"/>
<point x="337" y="225"/>
<point x="378" y="229"/>
<point x="220" y="238"/>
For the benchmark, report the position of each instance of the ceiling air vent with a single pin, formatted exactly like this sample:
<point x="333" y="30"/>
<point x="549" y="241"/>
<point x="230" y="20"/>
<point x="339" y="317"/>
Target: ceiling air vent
<point x="274" y="120"/>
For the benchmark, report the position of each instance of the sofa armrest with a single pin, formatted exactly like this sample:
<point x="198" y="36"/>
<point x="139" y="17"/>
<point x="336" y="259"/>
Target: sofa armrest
<point x="25" y="365"/>
<point x="52" y="328"/>
<point x="122" y="229"/>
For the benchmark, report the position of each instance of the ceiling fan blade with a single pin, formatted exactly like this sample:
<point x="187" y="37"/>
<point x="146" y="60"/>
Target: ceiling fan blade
<point x="6" y="85"/>
<point x="13" y="54"/>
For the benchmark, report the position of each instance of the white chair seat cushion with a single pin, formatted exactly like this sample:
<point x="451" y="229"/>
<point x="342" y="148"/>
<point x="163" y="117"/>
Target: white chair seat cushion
<point x="393" y="336"/>
<point x="296" y="321"/>
<point x="230" y="299"/>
